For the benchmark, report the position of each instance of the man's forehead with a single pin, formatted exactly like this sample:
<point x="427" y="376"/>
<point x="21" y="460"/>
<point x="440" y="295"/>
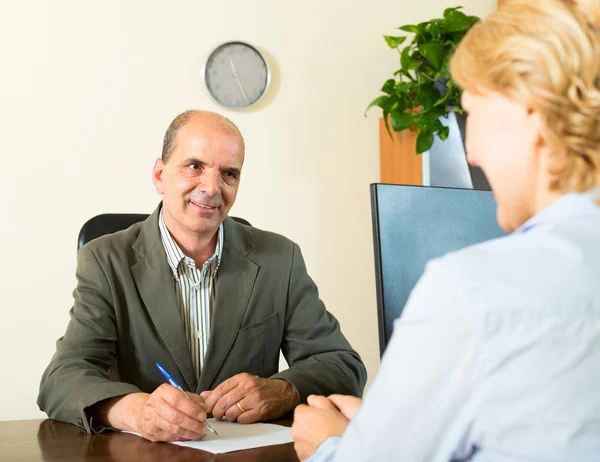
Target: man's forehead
<point x="203" y="133"/>
<point x="210" y="122"/>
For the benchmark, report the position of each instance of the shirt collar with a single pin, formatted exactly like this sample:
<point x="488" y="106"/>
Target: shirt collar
<point x="570" y="205"/>
<point x="175" y="255"/>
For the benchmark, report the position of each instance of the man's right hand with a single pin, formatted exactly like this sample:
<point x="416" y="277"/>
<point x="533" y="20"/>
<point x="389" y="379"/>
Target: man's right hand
<point x="164" y="415"/>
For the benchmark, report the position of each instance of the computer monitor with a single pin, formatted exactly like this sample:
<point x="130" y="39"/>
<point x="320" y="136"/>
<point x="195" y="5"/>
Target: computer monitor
<point x="414" y="224"/>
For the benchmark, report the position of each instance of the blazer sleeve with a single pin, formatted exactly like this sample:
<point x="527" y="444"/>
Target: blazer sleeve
<point x="78" y="374"/>
<point x="320" y="358"/>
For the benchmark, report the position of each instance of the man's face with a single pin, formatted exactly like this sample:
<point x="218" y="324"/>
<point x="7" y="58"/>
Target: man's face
<point x="199" y="181"/>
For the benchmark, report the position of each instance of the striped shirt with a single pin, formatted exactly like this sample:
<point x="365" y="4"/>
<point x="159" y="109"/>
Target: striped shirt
<point x="194" y="290"/>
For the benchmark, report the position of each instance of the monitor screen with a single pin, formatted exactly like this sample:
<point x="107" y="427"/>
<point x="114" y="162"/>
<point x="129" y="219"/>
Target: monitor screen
<point x="414" y="224"/>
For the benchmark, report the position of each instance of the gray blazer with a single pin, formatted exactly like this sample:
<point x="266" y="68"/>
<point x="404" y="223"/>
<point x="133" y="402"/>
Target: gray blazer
<point x="125" y="318"/>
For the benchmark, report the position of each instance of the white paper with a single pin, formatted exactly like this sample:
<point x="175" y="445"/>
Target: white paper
<point x="237" y="437"/>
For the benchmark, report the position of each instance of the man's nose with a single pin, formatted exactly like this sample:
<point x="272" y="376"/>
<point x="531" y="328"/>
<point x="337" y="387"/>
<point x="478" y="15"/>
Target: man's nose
<point x="211" y="183"/>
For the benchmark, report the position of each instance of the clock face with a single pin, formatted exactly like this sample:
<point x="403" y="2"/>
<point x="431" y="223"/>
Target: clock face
<point x="236" y="75"/>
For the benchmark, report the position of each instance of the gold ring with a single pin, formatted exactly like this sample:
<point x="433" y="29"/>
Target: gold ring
<point x="240" y="407"/>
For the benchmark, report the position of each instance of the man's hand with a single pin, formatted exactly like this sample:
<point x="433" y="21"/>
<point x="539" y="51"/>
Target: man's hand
<point x="165" y="415"/>
<point x="314" y="423"/>
<point x="260" y="399"/>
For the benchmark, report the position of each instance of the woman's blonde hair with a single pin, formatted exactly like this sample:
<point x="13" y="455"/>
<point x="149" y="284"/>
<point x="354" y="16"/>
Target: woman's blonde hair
<point x="546" y="55"/>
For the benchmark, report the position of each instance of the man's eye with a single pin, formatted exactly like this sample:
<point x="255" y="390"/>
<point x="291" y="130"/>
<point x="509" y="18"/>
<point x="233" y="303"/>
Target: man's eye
<point x="231" y="175"/>
<point x="194" y="166"/>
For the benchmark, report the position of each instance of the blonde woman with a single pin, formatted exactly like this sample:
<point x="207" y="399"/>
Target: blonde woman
<point x="497" y="355"/>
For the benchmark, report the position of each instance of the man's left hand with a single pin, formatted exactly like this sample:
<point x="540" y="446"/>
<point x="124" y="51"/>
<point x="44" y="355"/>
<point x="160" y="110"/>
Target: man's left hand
<point x="259" y="399"/>
<point x="314" y="423"/>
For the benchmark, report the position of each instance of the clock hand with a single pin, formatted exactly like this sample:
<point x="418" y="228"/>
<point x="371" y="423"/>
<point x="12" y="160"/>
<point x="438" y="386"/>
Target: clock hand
<point x="237" y="79"/>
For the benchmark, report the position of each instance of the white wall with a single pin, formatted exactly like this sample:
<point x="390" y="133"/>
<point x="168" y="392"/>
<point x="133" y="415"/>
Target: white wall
<point x="86" y="92"/>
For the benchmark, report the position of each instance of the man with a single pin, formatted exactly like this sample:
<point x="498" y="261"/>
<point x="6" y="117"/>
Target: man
<point x="211" y="300"/>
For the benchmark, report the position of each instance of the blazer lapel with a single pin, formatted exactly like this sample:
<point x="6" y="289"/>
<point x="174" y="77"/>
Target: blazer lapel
<point x="234" y="283"/>
<point x="153" y="278"/>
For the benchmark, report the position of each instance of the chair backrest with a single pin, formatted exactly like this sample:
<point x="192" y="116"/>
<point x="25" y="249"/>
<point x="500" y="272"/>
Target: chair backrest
<point x="414" y="224"/>
<point x="108" y="223"/>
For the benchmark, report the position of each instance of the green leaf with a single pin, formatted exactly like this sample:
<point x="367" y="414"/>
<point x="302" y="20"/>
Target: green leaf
<point x="394" y="42"/>
<point x="457" y="21"/>
<point x="379" y="101"/>
<point x="448" y="11"/>
<point x="414" y="64"/>
<point x="424" y="120"/>
<point x="440" y="110"/>
<point x="445" y="71"/>
<point x="387" y="125"/>
<point x="401" y="120"/>
<point x="388" y="86"/>
<point x="435" y="29"/>
<point x="403" y="88"/>
<point x="428" y="96"/>
<point x="407" y="93"/>
<point x="473" y="20"/>
<point x="434" y="53"/>
<point x="400" y="102"/>
<point x="391" y="103"/>
<point x="429" y="118"/>
<point x="408" y="62"/>
<point x="424" y="142"/>
<point x="424" y="34"/>
<point x="443" y="133"/>
<point x="411" y="28"/>
<point x="405" y="58"/>
<point x="437" y="126"/>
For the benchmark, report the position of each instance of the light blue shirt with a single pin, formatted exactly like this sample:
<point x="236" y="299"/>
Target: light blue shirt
<point x="496" y="357"/>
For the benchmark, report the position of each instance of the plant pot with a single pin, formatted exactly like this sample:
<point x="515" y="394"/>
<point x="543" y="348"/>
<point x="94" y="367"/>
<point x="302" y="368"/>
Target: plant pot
<point x="398" y="159"/>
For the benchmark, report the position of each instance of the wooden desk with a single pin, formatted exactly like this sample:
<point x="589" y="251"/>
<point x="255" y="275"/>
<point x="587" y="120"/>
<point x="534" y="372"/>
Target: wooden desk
<point x="49" y="440"/>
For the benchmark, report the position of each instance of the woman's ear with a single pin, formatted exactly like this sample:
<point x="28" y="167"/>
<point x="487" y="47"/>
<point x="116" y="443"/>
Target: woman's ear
<point x="535" y="126"/>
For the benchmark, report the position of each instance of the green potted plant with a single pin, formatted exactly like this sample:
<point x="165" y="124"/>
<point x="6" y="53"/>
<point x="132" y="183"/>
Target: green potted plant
<point x="422" y="90"/>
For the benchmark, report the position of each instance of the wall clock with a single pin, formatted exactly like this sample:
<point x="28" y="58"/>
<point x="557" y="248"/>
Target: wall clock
<point x="236" y="75"/>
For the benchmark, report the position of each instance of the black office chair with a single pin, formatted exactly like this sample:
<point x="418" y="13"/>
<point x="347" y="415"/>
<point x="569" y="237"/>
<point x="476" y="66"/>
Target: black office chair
<point x="108" y="223"/>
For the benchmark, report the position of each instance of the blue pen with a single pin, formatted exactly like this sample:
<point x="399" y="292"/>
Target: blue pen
<point x="173" y="382"/>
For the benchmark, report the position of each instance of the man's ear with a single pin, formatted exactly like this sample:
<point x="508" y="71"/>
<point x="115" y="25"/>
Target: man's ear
<point x="157" y="173"/>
